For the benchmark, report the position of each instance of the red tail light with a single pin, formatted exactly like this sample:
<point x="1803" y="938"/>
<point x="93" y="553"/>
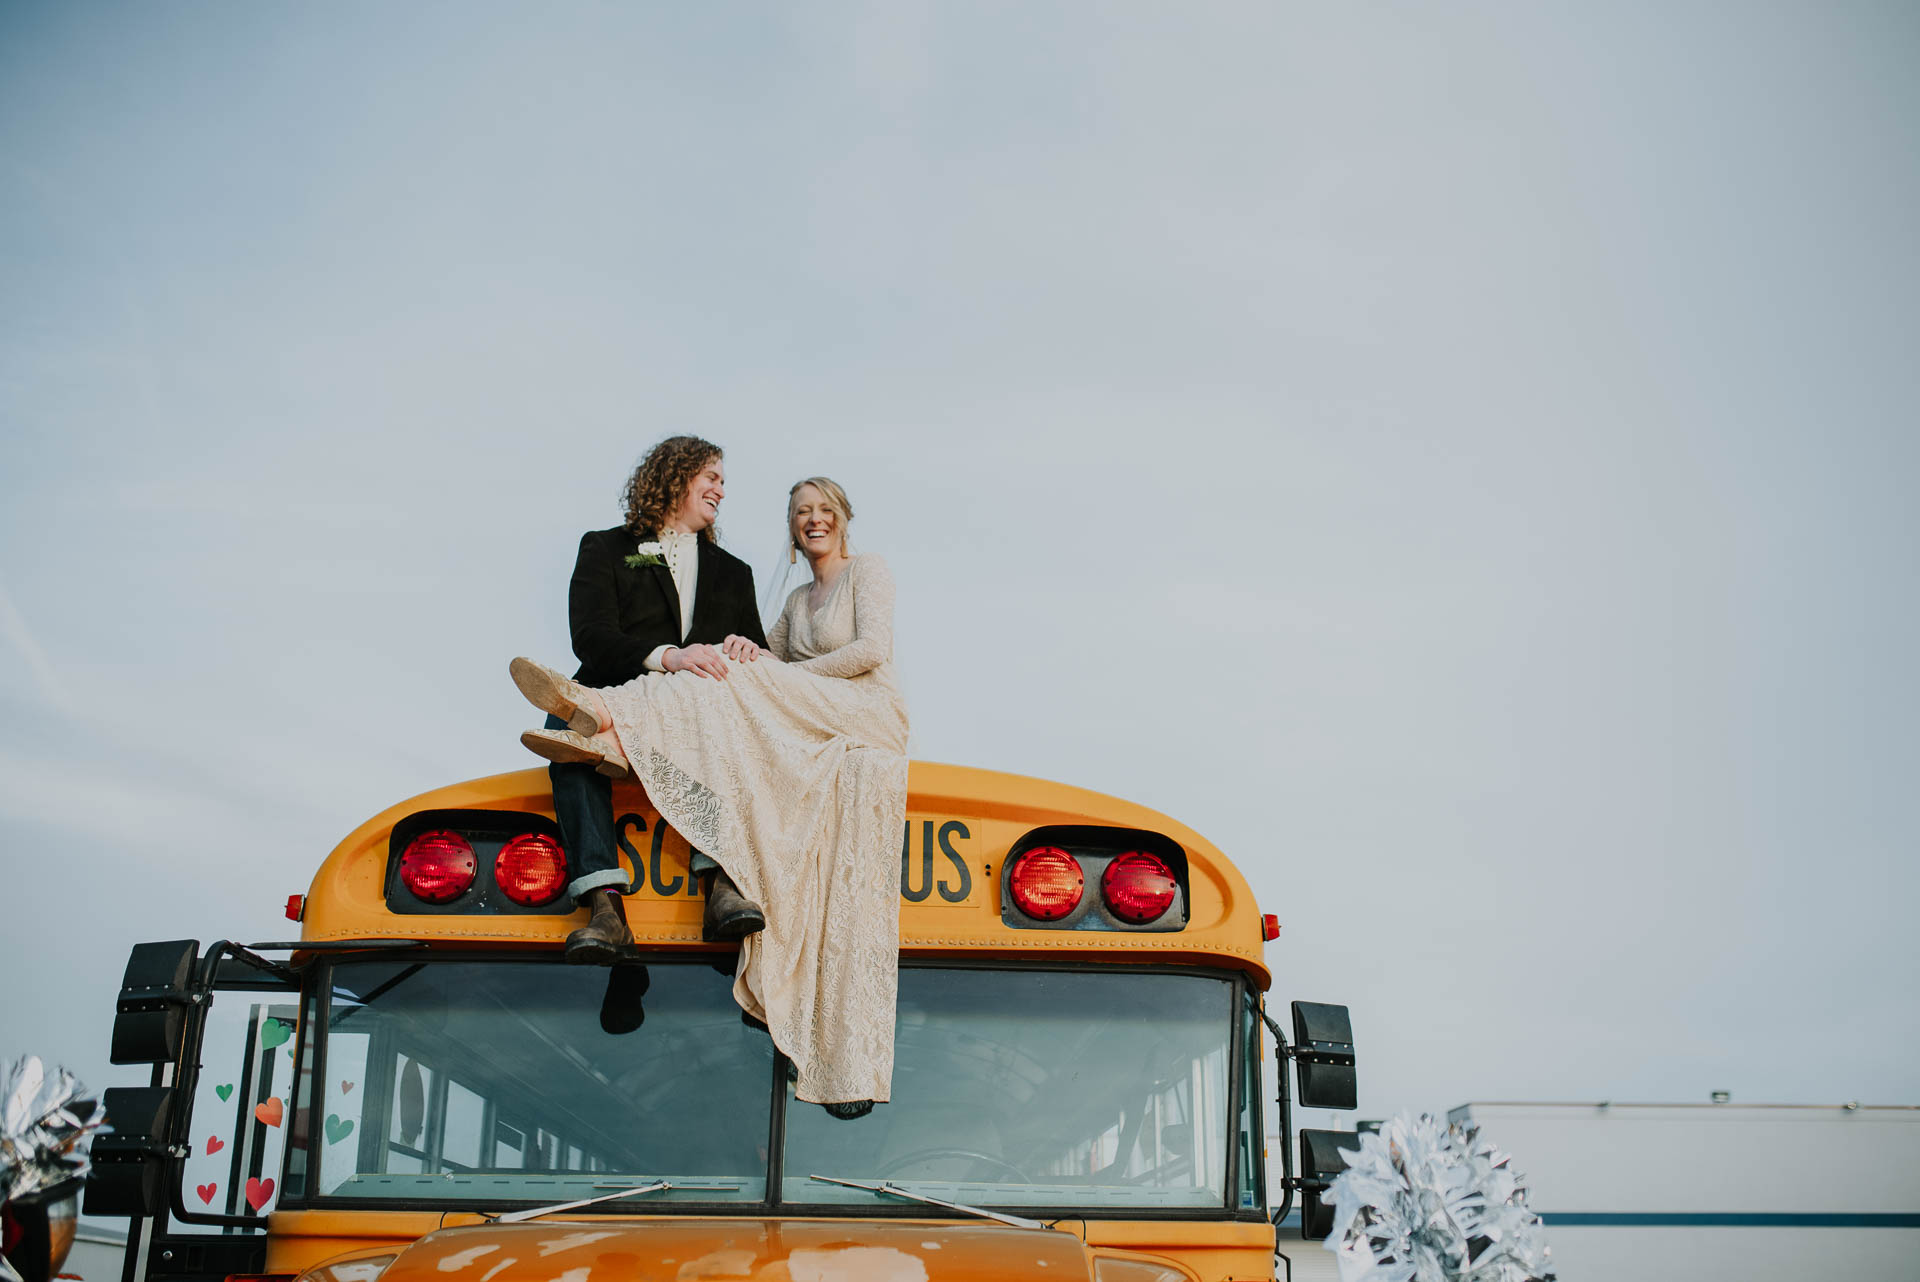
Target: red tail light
<point x="437" y="867"/>
<point x="1046" y="883"/>
<point x="531" y="870"/>
<point x="1138" y="887"/>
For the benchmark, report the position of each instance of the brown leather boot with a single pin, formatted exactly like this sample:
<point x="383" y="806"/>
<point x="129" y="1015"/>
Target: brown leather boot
<point x="730" y="914"/>
<point x="605" y="936"/>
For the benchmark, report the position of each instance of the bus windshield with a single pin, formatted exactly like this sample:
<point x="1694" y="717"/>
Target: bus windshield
<point x="1039" y="1088"/>
<point x="497" y="1082"/>
<point x="492" y="1084"/>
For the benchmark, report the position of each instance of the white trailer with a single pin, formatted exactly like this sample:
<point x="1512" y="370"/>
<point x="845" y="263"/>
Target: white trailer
<point x="1757" y="1192"/>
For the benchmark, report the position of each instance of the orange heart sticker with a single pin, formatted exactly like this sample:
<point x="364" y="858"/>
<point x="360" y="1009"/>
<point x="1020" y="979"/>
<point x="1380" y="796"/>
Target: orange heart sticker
<point x="270" y="1112"/>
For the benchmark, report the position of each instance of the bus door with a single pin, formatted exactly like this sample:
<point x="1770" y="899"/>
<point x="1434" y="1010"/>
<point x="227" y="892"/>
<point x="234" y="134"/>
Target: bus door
<point x="195" y="1157"/>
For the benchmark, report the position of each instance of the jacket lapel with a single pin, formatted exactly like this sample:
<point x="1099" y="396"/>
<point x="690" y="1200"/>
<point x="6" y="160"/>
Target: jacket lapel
<point x="703" y="586"/>
<point x="663" y="579"/>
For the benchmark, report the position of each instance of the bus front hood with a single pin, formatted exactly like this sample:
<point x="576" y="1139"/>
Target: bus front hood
<point x="755" y="1250"/>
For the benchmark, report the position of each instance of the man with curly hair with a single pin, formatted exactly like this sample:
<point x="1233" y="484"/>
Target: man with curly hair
<point x="655" y="594"/>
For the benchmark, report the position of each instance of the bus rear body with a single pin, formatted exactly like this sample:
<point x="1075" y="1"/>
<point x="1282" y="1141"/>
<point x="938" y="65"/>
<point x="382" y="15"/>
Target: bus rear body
<point x="1076" y="1089"/>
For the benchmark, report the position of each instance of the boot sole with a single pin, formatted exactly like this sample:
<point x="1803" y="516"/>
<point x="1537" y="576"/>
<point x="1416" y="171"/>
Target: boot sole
<point x="541" y="743"/>
<point x="738" y="926"/>
<point x="597" y="952"/>
<point x="547" y="690"/>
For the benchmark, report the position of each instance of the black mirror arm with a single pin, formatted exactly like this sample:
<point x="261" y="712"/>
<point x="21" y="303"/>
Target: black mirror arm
<point x="239" y="952"/>
<point x="1284" y="1099"/>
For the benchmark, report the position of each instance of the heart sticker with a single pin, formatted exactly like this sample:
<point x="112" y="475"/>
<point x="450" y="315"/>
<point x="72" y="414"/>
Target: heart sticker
<point x="270" y="1112"/>
<point x="259" y="1193"/>
<point x="274" y="1032"/>
<point x="206" y="1192"/>
<point x="338" y="1128"/>
<point x="224" y="1092"/>
<point x="214" y="1145"/>
<point x="346" y="1088"/>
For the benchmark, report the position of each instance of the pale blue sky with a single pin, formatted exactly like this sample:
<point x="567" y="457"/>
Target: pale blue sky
<point x="1459" y="458"/>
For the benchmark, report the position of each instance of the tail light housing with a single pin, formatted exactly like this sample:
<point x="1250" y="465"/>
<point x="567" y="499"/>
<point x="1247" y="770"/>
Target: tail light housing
<point x="1095" y="877"/>
<point x="437" y="867"/>
<point x="531" y="870"/>
<point x="1046" y="883"/>
<point x="1138" y="887"/>
<point x="477" y="863"/>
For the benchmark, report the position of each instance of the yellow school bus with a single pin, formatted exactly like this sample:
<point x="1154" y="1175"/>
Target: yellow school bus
<point x="418" y="1089"/>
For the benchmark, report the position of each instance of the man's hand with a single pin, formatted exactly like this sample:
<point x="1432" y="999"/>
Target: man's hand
<point x="742" y="649"/>
<point x="703" y="659"/>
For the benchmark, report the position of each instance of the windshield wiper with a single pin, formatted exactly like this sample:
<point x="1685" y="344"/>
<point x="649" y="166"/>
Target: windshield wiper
<point x="894" y="1190"/>
<point x="515" y="1217"/>
<point x="653" y="1186"/>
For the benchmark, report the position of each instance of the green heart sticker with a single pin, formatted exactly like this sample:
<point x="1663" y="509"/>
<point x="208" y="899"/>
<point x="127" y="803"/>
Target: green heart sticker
<point x="274" y="1032"/>
<point x="338" y="1128"/>
<point x="224" y="1092"/>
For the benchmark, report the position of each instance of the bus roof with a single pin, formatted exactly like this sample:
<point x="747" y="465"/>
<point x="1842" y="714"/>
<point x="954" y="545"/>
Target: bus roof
<point x="961" y="824"/>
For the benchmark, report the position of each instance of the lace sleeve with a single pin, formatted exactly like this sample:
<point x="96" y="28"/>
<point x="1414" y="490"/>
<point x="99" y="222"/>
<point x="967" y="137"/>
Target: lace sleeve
<point x="777" y="634"/>
<point x="872" y="643"/>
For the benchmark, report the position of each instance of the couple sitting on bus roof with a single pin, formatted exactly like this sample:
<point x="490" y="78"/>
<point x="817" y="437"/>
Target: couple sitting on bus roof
<point x="779" y="756"/>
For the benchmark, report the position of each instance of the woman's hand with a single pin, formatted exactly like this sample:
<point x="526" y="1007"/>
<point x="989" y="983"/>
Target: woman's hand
<point x="701" y="659"/>
<point x="741" y="649"/>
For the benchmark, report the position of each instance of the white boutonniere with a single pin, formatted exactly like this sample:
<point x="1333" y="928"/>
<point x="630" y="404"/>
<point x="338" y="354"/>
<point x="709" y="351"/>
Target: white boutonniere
<point x="647" y="554"/>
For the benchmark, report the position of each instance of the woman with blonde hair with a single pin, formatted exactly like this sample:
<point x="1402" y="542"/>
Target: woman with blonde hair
<point x="790" y="776"/>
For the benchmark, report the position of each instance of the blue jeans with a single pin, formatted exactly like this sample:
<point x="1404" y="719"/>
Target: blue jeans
<point x="583" y="805"/>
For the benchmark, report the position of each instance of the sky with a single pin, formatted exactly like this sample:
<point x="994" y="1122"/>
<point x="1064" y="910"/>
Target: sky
<point x="1459" y="459"/>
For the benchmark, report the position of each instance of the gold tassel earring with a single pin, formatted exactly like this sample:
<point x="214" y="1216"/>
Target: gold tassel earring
<point x="793" y="554"/>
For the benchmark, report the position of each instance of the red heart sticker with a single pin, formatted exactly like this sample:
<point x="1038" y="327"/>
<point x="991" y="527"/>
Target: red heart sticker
<point x="270" y="1112"/>
<point x="259" y="1192"/>
<point x="214" y="1145"/>
<point x="206" y="1191"/>
<point x="346" y="1088"/>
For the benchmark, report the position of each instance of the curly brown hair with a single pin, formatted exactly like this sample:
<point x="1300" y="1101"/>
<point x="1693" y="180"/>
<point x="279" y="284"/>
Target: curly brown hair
<point x="656" y="487"/>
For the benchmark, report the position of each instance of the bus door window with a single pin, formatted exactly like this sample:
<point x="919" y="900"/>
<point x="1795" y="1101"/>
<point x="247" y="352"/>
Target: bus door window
<point x="242" y="1103"/>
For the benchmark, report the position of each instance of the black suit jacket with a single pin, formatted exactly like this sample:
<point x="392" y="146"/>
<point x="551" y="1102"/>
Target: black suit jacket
<point x="620" y="613"/>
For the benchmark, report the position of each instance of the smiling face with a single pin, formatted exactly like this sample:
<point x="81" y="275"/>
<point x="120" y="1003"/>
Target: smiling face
<point x="819" y="528"/>
<point x="701" y="503"/>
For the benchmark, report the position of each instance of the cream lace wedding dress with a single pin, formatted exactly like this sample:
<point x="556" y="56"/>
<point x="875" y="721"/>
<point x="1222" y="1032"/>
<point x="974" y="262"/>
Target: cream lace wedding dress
<point x="793" y="777"/>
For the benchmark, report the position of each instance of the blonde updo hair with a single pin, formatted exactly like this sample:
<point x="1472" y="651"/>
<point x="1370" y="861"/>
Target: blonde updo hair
<point x="836" y="499"/>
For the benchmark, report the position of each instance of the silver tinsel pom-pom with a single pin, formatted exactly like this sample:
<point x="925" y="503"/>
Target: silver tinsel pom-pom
<point x="1422" y="1201"/>
<point x="47" y="1120"/>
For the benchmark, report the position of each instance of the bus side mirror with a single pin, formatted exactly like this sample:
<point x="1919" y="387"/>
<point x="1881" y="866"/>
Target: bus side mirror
<point x="1323" y="1048"/>
<point x="151" y="1015"/>
<point x="1320" y="1163"/>
<point x="130" y="1162"/>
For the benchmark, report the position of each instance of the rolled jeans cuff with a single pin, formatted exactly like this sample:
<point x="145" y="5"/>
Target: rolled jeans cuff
<point x="595" y="880"/>
<point x="699" y="862"/>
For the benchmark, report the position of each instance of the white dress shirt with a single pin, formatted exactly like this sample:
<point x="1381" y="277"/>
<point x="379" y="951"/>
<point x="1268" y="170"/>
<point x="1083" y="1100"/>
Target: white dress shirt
<point x="682" y="553"/>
